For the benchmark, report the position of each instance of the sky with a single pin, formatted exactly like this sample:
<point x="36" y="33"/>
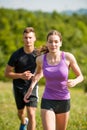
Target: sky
<point x="44" y="5"/>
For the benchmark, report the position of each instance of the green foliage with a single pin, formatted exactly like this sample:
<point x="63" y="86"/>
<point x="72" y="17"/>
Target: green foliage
<point x="73" y="29"/>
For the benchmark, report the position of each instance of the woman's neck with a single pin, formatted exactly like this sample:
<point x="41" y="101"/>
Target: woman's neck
<point x="54" y="59"/>
<point x="54" y="55"/>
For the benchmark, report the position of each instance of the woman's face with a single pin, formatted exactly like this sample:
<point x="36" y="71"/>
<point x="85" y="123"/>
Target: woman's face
<point x="54" y="43"/>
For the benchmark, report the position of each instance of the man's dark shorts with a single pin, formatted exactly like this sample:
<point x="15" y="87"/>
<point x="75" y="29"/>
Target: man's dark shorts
<point x="19" y="96"/>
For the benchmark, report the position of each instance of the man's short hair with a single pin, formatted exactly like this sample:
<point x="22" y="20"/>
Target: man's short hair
<point x="28" y="30"/>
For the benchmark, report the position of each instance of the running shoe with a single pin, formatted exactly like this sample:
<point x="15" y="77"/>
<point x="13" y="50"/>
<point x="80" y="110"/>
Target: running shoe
<point x="24" y="126"/>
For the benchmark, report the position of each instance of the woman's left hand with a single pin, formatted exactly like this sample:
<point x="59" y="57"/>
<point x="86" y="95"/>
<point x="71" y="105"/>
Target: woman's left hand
<point x="71" y="83"/>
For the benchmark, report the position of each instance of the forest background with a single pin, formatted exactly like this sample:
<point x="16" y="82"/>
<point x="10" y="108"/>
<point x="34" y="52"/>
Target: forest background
<point x="72" y="27"/>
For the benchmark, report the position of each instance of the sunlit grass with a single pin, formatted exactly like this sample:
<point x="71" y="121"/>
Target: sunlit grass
<point x="8" y="112"/>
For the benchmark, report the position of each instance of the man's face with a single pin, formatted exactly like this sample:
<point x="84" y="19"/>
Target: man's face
<point x="29" y="39"/>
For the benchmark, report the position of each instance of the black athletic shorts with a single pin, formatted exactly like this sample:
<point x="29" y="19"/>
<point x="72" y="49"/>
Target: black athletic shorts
<point x="19" y="96"/>
<point x="58" y="106"/>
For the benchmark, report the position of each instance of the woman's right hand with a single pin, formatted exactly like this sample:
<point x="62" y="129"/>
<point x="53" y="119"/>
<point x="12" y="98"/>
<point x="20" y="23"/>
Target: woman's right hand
<point x="27" y="95"/>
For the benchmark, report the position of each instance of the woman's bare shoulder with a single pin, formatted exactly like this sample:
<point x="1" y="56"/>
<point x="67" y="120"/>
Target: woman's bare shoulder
<point x="39" y="59"/>
<point x="69" y="56"/>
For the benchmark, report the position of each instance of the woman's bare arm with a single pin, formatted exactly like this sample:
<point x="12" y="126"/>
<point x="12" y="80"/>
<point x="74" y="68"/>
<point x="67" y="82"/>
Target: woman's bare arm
<point x="38" y="75"/>
<point x="76" y="69"/>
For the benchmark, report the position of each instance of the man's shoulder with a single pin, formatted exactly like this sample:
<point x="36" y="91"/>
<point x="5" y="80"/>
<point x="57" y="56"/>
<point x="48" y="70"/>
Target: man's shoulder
<point x="18" y="51"/>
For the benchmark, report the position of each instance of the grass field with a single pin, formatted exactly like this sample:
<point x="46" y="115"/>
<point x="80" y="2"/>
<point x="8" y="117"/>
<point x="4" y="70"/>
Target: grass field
<point x="8" y="112"/>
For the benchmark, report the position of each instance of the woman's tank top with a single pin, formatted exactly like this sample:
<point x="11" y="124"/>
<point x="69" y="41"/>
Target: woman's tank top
<point x="56" y="77"/>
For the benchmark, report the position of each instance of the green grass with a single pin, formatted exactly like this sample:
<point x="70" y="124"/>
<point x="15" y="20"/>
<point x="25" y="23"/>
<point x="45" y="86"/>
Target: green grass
<point x="8" y="112"/>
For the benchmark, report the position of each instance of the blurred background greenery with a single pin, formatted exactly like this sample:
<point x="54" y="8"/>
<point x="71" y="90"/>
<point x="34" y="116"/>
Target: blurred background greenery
<point x="72" y="27"/>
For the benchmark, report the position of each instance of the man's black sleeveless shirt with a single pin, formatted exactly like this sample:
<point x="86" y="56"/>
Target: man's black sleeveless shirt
<point x="22" y="62"/>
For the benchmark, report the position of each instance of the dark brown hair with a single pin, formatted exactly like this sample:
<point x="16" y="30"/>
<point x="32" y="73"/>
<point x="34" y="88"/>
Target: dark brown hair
<point x="54" y="32"/>
<point x="44" y="48"/>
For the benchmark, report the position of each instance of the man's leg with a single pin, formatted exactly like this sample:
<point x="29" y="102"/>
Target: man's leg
<point x="18" y="95"/>
<point x="21" y="115"/>
<point x="31" y="112"/>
